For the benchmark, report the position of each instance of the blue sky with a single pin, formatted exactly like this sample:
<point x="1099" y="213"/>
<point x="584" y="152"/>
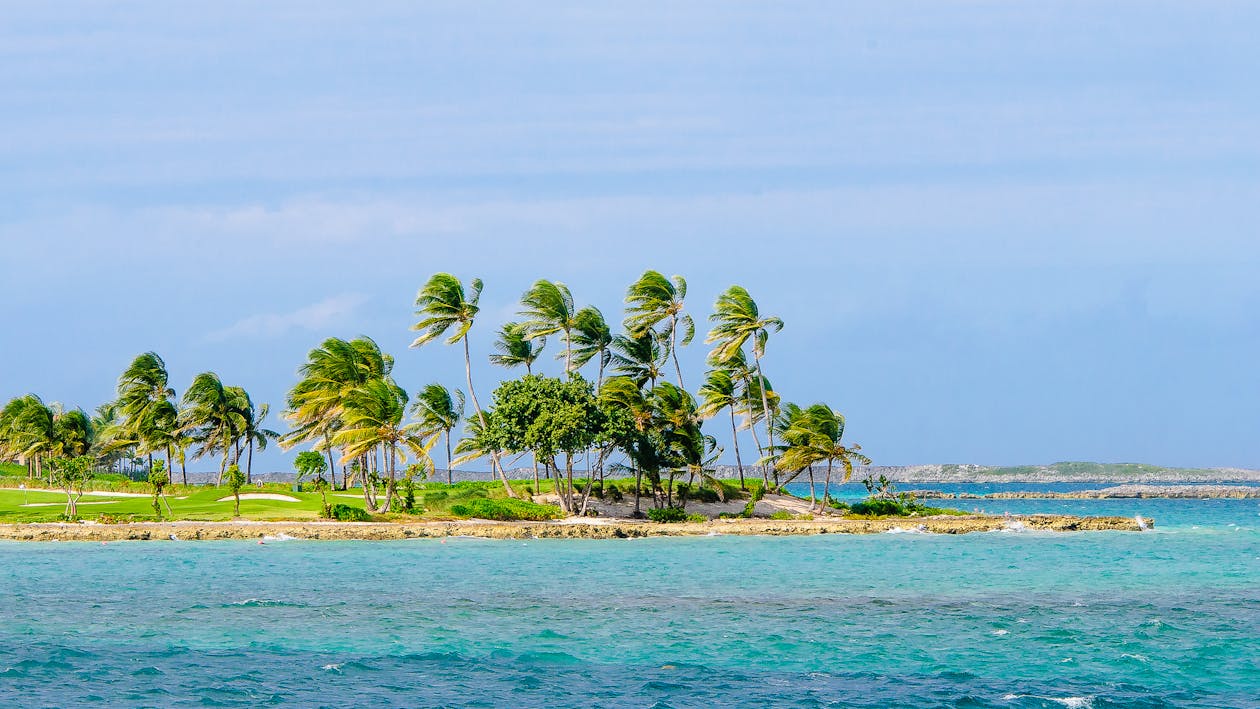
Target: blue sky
<point x="998" y="232"/>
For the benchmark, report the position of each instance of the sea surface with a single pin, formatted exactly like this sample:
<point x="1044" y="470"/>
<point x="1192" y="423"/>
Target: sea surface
<point x="1166" y="618"/>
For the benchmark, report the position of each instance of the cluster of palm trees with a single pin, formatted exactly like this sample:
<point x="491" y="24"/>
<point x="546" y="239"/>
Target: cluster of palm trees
<point x="145" y="419"/>
<point x="347" y="400"/>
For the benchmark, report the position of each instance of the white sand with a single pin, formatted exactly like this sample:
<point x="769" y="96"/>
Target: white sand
<point x="262" y="496"/>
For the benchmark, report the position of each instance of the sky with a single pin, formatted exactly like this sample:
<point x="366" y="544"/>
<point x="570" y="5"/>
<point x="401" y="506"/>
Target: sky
<point x="997" y="232"/>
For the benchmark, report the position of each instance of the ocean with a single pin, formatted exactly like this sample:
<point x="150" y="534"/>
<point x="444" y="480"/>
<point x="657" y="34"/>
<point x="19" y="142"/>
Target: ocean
<point x="1166" y="618"/>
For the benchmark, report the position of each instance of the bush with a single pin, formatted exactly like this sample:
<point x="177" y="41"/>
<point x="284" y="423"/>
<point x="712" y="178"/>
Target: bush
<point x="435" y="496"/>
<point x="697" y="517"/>
<point x="346" y="513"/>
<point x="667" y="514"/>
<point x="782" y="514"/>
<point x="699" y="494"/>
<point x="748" y="509"/>
<point x="505" y="510"/>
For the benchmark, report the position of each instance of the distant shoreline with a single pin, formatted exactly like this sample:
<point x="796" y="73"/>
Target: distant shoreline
<point x="564" y="529"/>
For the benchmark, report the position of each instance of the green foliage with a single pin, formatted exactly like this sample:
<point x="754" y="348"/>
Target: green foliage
<point x="505" y="510"/>
<point x="667" y="514"/>
<point x="782" y="514"/>
<point x="545" y="416"/>
<point x="697" y="518"/>
<point x="346" y="513"/>
<point x="309" y="464"/>
<point x="749" y="509"/>
<point x="407" y="493"/>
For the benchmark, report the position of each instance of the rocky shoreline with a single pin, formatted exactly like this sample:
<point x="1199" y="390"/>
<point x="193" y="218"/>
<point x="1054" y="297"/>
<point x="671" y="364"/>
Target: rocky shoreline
<point x="568" y="529"/>
<point x="1118" y="492"/>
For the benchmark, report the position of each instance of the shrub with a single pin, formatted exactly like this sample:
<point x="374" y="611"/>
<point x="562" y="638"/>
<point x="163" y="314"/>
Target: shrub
<point x="435" y="496"/>
<point x="667" y="514"/>
<point x="782" y="514"/>
<point x="347" y="513"/>
<point x="505" y="510"/>
<point x="697" y="517"/>
<point x="748" y="509"/>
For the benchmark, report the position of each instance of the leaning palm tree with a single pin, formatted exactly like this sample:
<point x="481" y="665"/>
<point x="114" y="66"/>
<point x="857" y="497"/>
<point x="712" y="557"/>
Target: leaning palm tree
<point x="736" y="322"/>
<point x="438" y="412"/>
<point x="211" y="416"/>
<point x="656" y="300"/>
<point x="315" y="403"/>
<point x="548" y="310"/>
<point x="639" y="358"/>
<point x="30" y="431"/>
<point x="515" y="348"/>
<point x="720" y="391"/>
<point x="374" y="416"/>
<point x="442" y="305"/>
<point x="592" y="339"/>
<point x="143" y="389"/>
<point x="254" y="433"/>
<point x="814" y="436"/>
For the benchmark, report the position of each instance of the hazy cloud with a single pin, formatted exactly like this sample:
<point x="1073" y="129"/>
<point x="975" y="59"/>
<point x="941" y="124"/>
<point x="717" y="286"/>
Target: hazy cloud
<point x="315" y="317"/>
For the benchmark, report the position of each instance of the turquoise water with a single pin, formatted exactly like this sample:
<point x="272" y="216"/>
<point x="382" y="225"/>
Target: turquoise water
<point x="1169" y="618"/>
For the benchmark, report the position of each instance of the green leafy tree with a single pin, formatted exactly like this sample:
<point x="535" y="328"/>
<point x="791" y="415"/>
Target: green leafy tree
<point x="813" y="436"/>
<point x="656" y="301"/>
<point x="212" y="416"/>
<point x="235" y="480"/>
<point x="548" y="417"/>
<point x="158" y="480"/>
<point x="72" y="475"/>
<point x="310" y="464"/>
<point x="515" y="348"/>
<point x="438" y="411"/>
<point x="442" y="305"/>
<point x="719" y="392"/>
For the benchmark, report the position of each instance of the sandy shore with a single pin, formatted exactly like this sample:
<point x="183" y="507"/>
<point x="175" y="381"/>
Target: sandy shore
<point x="564" y="529"/>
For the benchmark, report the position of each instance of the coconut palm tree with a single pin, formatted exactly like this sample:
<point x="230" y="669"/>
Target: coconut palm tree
<point x="639" y="358"/>
<point x="516" y="348"/>
<point x="37" y="432"/>
<point x="373" y="418"/>
<point x="592" y="339"/>
<point x="721" y="391"/>
<point x="813" y="436"/>
<point x="736" y="322"/>
<point x="438" y="412"/>
<point x="315" y="403"/>
<point x="212" y="417"/>
<point x="548" y="310"/>
<point x="145" y="399"/>
<point x="253" y="432"/>
<point x="442" y="305"/>
<point x="656" y="300"/>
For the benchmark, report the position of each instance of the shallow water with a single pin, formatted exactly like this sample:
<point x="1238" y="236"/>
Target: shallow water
<point x="1162" y="619"/>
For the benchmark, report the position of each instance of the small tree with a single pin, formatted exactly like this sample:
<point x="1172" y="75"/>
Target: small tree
<point x="310" y="464"/>
<point x="158" y="479"/>
<point x="72" y="475"/>
<point x="235" y="480"/>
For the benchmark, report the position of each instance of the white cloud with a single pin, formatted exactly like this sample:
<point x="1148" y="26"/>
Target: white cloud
<point x="317" y="316"/>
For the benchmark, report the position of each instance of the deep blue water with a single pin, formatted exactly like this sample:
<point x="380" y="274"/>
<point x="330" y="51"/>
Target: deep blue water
<point x="1169" y="618"/>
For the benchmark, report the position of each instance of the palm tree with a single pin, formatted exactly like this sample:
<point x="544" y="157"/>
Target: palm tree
<point x="438" y="412"/>
<point x="548" y="310"/>
<point x="655" y="300"/>
<point x="143" y="389"/>
<point x="441" y="305"/>
<point x="814" y="436"/>
<point x="720" y="391"/>
<point x="253" y="432"/>
<point x="331" y="370"/>
<point x="373" y="416"/>
<point x="515" y="348"/>
<point x="592" y="339"/>
<point x="34" y="432"/>
<point x="639" y="358"/>
<point x="212" y="417"/>
<point x="736" y="321"/>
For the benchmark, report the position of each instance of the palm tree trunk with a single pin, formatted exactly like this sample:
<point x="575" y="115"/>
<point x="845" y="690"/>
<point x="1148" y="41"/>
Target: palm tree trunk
<point x="811" y="485"/>
<point x="673" y="347"/>
<point x="822" y="505"/>
<point x="481" y="418"/>
<point x="449" y="477"/>
<point x="765" y="414"/>
<point x="222" y="467"/>
<point x="249" y="463"/>
<point x="735" y="440"/>
<point x="183" y="466"/>
<point x="332" y="467"/>
<point x="170" y="470"/>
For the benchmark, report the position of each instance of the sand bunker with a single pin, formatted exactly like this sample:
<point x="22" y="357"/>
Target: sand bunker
<point x="262" y="496"/>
